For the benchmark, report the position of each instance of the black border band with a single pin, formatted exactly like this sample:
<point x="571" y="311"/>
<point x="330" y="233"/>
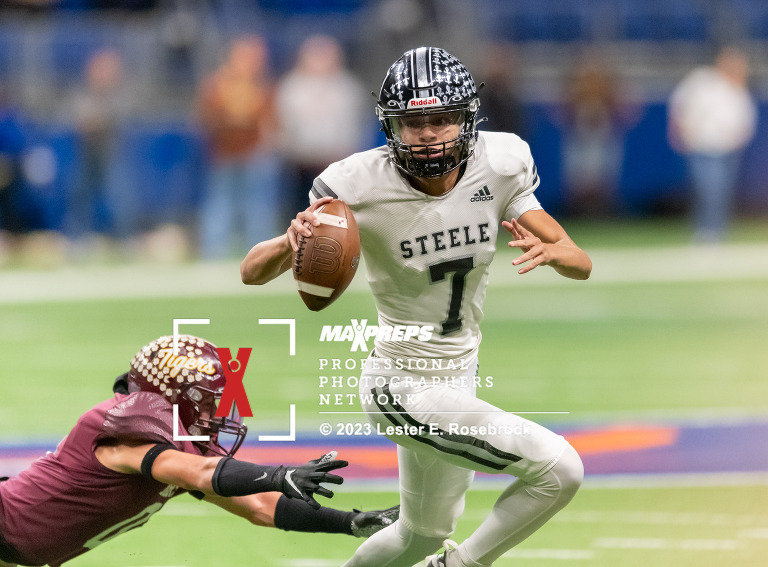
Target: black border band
<point x="149" y="459"/>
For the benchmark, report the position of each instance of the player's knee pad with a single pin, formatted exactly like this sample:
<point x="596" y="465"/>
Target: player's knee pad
<point x="562" y="480"/>
<point x="439" y="528"/>
<point x="569" y="471"/>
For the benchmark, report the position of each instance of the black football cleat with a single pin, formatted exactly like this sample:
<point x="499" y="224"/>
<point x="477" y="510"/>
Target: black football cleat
<point x="365" y="524"/>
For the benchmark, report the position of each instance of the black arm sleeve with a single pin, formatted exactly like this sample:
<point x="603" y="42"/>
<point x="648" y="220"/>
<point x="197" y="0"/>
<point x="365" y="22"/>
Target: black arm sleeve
<point x="294" y="515"/>
<point x="149" y="458"/>
<point x="239" y="478"/>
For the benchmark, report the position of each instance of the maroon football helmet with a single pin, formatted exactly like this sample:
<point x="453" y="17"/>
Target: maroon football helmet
<point x="194" y="380"/>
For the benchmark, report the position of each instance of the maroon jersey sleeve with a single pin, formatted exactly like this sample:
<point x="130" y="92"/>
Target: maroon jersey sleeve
<point x="143" y="416"/>
<point x="67" y="502"/>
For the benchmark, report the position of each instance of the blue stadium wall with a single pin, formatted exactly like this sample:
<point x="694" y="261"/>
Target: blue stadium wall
<point x="160" y="172"/>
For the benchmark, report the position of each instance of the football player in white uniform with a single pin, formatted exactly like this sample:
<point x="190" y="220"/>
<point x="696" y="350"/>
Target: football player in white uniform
<point x="428" y="207"/>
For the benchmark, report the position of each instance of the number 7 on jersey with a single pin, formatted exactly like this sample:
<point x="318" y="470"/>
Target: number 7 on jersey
<point x="459" y="267"/>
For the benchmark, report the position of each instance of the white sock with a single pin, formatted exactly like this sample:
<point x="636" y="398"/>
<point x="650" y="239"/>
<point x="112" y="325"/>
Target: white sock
<point x="521" y="510"/>
<point x="394" y="546"/>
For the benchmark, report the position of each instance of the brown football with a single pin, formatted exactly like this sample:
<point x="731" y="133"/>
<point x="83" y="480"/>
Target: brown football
<point x="326" y="262"/>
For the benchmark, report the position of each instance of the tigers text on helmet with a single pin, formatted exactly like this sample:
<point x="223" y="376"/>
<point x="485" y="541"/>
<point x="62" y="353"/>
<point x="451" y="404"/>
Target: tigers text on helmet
<point x="193" y="379"/>
<point x="429" y="81"/>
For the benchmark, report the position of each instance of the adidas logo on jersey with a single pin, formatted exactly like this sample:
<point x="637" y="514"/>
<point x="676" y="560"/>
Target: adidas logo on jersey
<point x="483" y="195"/>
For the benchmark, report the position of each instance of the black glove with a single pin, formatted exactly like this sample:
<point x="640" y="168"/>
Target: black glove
<point x="304" y="481"/>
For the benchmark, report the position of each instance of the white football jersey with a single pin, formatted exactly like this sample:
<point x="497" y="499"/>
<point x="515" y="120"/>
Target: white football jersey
<point x="428" y="257"/>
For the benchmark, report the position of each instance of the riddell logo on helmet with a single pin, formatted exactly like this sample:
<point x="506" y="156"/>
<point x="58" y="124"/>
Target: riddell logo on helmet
<point x="420" y="102"/>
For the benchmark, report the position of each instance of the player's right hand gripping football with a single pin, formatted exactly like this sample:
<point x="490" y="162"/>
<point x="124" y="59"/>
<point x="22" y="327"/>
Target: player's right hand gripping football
<point x="304" y="481"/>
<point x="307" y="215"/>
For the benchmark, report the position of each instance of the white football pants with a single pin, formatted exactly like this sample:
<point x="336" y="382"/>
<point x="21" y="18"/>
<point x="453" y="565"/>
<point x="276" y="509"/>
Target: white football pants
<point x="444" y="433"/>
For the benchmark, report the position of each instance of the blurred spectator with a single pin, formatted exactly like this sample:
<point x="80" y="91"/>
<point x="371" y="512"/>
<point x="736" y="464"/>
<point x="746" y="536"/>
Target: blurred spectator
<point x="712" y="117"/>
<point x="596" y="117"/>
<point x="398" y="24"/>
<point x="236" y="108"/>
<point x="12" y="221"/>
<point x="500" y="96"/>
<point x="99" y="108"/>
<point x="180" y="36"/>
<point x="322" y="109"/>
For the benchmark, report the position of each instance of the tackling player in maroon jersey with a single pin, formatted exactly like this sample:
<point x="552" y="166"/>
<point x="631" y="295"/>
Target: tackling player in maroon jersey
<point x="122" y="462"/>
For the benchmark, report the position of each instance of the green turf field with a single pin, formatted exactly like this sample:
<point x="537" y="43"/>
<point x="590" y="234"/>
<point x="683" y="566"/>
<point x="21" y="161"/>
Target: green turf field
<point x="675" y="527"/>
<point x="596" y="348"/>
<point x="608" y="349"/>
<point x="659" y="332"/>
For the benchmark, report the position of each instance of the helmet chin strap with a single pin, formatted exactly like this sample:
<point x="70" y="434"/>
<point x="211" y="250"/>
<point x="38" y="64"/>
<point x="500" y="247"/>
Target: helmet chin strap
<point x="409" y="163"/>
<point x="433" y="168"/>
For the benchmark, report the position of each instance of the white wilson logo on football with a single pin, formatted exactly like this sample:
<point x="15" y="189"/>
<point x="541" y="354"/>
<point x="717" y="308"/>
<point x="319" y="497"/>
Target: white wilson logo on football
<point x="332" y="220"/>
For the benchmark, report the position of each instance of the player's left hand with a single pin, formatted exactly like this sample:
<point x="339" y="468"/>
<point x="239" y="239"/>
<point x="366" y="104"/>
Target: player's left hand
<point x="534" y="249"/>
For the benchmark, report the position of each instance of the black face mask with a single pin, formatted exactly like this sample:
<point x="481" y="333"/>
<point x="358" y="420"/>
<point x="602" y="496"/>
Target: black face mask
<point x="121" y="384"/>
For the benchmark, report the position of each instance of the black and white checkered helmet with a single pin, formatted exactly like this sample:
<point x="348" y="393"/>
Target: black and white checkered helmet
<point x="428" y="80"/>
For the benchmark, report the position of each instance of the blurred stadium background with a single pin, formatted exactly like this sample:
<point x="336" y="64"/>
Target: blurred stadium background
<point x="659" y="359"/>
<point x="156" y="173"/>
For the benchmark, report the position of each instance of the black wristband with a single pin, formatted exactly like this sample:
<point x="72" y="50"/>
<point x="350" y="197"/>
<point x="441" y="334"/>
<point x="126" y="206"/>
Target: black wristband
<point x="149" y="459"/>
<point x="294" y="515"/>
<point x="239" y="478"/>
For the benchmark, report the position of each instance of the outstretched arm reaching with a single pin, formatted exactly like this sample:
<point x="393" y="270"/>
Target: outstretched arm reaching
<point x="221" y="476"/>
